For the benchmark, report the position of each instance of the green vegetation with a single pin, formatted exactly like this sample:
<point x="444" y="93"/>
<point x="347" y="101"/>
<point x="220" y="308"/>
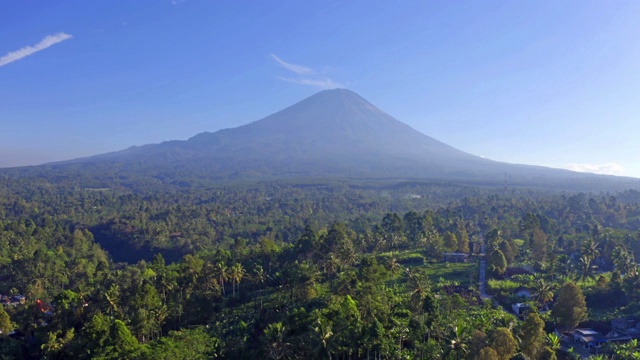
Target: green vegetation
<point x="570" y="307"/>
<point x="501" y="286"/>
<point x="287" y="271"/>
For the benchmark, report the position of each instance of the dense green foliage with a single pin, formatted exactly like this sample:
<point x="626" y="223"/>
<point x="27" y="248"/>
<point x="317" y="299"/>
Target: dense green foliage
<point x="281" y="271"/>
<point x="570" y="307"/>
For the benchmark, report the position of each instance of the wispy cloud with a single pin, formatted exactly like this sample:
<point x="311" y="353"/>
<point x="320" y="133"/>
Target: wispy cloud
<point x="48" y="40"/>
<point x="298" y="69"/>
<point x="604" y="169"/>
<point x="323" y="83"/>
<point x="305" y="75"/>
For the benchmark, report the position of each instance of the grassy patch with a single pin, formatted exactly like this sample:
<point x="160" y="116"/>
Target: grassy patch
<point x="586" y="284"/>
<point x="436" y="272"/>
<point x="501" y="286"/>
<point x="460" y="272"/>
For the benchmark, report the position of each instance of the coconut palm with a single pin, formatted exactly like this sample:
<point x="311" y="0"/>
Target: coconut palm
<point x="542" y="291"/>
<point x="419" y="288"/>
<point x="393" y="265"/>
<point x="585" y="268"/>
<point x="590" y="249"/>
<point x="258" y="275"/>
<point x="458" y="340"/>
<point x="223" y="274"/>
<point x="331" y="265"/>
<point x="237" y="273"/>
<point x="324" y="332"/>
<point x="159" y="315"/>
<point x="276" y="347"/>
<point x="624" y="261"/>
<point x="166" y="282"/>
<point x="596" y="231"/>
<point x="112" y="297"/>
<point x="348" y="254"/>
<point x="563" y="265"/>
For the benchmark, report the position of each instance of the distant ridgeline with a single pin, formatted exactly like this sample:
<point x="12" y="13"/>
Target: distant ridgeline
<point x="332" y="135"/>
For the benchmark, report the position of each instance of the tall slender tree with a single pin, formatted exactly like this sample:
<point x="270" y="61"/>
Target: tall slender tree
<point x="223" y="274"/>
<point x="237" y="273"/>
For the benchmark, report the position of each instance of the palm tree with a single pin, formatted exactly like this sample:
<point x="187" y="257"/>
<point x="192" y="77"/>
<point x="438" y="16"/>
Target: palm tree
<point x="586" y="269"/>
<point x="401" y="331"/>
<point x="542" y="291"/>
<point x="392" y="225"/>
<point x="166" y="283"/>
<point x="552" y="264"/>
<point x="276" y="347"/>
<point x="331" y="265"/>
<point x="324" y="332"/>
<point x="159" y="315"/>
<point x="258" y="275"/>
<point x="379" y="237"/>
<point x="590" y="249"/>
<point x="223" y="274"/>
<point x="624" y="261"/>
<point x="458" y="340"/>
<point x="410" y="274"/>
<point x="112" y="296"/>
<point x="563" y="265"/>
<point x="426" y="237"/>
<point x="393" y="264"/>
<point x="419" y="288"/>
<point x="237" y="272"/>
<point x="596" y="231"/>
<point x="348" y="254"/>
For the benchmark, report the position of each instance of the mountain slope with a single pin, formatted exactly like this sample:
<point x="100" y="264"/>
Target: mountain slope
<point x="331" y="131"/>
<point x="334" y="133"/>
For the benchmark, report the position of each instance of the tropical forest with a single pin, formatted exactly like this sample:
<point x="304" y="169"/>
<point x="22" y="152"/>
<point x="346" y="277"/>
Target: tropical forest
<point x="316" y="270"/>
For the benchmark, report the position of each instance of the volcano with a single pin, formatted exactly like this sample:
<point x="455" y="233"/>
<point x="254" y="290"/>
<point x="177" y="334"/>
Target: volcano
<point x="332" y="134"/>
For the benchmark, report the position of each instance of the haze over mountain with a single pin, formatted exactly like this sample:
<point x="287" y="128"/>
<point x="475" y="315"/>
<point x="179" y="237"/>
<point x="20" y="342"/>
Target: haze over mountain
<point x="334" y="133"/>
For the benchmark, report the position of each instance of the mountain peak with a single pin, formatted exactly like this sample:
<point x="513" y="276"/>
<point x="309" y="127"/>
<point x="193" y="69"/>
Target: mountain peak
<point x="336" y="90"/>
<point x="335" y="123"/>
<point x="345" y="94"/>
<point x="333" y="133"/>
<point x="337" y="97"/>
<point x="329" y="112"/>
<point x="332" y="99"/>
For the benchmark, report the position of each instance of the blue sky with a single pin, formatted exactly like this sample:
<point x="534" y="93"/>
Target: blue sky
<point x="535" y="82"/>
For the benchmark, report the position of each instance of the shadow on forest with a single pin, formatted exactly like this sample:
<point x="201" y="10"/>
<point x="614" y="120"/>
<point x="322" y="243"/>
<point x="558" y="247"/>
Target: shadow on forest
<point x="123" y="249"/>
